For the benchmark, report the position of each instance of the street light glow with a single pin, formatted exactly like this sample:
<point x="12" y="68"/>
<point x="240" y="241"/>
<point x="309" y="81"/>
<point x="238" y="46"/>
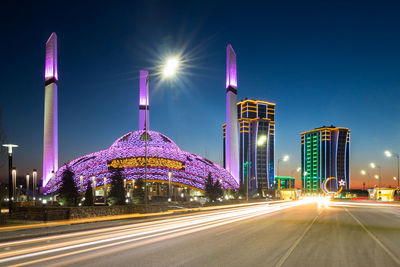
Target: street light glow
<point x="171" y="66"/>
<point x="363" y="172"/>
<point x="376" y="176"/>
<point x="286" y="158"/>
<point x="373" y="166"/>
<point x="388" y="153"/>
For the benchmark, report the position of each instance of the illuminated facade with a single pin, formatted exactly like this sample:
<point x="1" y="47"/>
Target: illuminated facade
<point x="50" y="135"/>
<point x="325" y="152"/>
<point x="284" y="182"/>
<point x="128" y="154"/>
<point x="256" y="121"/>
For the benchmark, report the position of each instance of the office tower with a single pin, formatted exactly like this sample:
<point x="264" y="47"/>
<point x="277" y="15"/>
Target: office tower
<point x="325" y="152"/>
<point x="256" y="120"/>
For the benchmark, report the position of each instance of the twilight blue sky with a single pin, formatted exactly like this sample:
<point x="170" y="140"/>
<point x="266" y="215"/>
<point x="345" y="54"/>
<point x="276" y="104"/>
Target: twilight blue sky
<point x="321" y="62"/>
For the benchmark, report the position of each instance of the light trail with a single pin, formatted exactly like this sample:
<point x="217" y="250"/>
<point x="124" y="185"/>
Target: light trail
<point x="369" y="204"/>
<point x="138" y="225"/>
<point x="140" y="232"/>
<point x="130" y="216"/>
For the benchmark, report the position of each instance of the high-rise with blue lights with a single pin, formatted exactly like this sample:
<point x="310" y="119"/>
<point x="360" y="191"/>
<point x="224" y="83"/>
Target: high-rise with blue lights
<point x="256" y="119"/>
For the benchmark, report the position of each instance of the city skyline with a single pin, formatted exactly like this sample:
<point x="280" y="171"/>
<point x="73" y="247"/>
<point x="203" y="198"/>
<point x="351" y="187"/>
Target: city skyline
<point x="98" y="93"/>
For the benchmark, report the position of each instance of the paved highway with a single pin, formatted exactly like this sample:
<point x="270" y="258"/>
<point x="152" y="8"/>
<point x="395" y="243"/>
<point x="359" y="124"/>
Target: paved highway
<point x="300" y="233"/>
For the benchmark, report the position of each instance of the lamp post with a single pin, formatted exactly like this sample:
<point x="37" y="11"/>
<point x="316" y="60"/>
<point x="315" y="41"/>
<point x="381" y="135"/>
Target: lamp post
<point x="363" y="172"/>
<point x="284" y="158"/>
<point x="27" y="187"/>
<point x="304" y="182"/>
<point x="169" y="69"/>
<point x="389" y="155"/>
<point x="105" y="189"/>
<point x="34" y="184"/>
<point x="94" y="187"/>
<point x="14" y="182"/>
<point x="10" y="182"/>
<point x="373" y="166"/>
<point x="169" y="186"/>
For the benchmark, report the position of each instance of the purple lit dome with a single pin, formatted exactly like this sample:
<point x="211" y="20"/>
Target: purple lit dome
<point x="127" y="153"/>
<point x="137" y="139"/>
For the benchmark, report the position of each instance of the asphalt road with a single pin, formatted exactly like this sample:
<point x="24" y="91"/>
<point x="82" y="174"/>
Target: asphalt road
<point x="300" y="233"/>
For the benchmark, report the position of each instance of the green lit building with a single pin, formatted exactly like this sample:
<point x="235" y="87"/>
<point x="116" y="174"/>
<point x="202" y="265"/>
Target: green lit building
<point x="325" y="152"/>
<point x="284" y="182"/>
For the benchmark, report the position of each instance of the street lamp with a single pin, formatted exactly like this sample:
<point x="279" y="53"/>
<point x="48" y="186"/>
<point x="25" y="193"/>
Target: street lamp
<point x="27" y="186"/>
<point x="169" y="185"/>
<point x="10" y="182"/>
<point x="169" y="70"/>
<point x="284" y="158"/>
<point x="14" y="182"/>
<point x="304" y="181"/>
<point x="170" y="67"/>
<point x="363" y="172"/>
<point x="373" y="166"/>
<point x="389" y="155"/>
<point x="34" y="183"/>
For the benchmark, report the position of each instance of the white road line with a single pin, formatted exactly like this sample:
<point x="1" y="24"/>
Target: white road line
<point x="295" y="244"/>
<point x="393" y="256"/>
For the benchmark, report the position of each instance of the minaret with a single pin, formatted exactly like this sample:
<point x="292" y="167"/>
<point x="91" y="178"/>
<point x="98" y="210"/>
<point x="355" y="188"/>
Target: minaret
<point x="144" y="100"/>
<point x="232" y="140"/>
<point x="50" y="139"/>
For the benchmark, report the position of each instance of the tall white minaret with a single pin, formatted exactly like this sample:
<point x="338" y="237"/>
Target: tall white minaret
<point x="50" y="136"/>
<point x="144" y="100"/>
<point x="232" y="132"/>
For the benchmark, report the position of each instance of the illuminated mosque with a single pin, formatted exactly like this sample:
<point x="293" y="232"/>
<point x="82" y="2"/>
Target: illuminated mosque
<point x="166" y="162"/>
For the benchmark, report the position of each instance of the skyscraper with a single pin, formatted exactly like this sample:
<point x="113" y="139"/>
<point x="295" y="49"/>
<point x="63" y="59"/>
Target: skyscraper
<point x="231" y="147"/>
<point x="325" y="152"/>
<point x="256" y="120"/>
<point x="50" y="135"/>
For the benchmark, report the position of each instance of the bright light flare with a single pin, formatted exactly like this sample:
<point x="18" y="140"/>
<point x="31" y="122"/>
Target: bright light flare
<point x="373" y="166"/>
<point x="170" y="67"/>
<point x="286" y="158"/>
<point x="363" y="172"/>
<point x="388" y="153"/>
<point x="261" y="140"/>
<point x="323" y="202"/>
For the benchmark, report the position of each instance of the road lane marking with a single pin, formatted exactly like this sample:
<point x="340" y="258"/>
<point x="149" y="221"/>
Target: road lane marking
<point x="393" y="256"/>
<point x="295" y="244"/>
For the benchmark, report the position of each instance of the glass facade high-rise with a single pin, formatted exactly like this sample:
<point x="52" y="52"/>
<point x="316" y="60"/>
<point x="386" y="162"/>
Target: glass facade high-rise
<point x="256" y="121"/>
<point x="325" y="152"/>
